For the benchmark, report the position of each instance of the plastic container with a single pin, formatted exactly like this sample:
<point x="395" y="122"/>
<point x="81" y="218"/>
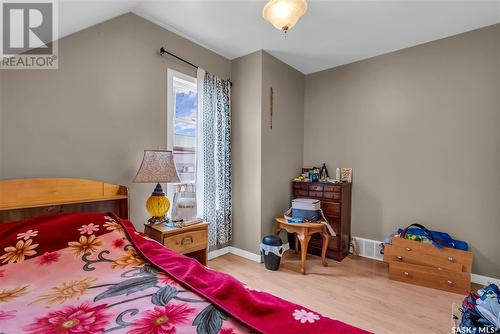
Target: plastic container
<point x="272" y="249"/>
<point x="306" y="209"/>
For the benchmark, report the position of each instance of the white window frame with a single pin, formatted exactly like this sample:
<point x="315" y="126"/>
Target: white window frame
<point x="190" y="82"/>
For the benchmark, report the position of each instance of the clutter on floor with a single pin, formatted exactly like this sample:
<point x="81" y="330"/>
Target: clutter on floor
<point x="480" y="312"/>
<point x="433" y="259"/>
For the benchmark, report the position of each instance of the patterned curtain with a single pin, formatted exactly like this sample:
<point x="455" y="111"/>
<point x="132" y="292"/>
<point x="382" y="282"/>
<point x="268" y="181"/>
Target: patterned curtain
<point x="216" y="158"/>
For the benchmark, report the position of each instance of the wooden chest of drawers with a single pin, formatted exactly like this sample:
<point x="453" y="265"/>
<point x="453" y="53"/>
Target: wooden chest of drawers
<point x="336" y="205"/>
<point x="424" y="264"/>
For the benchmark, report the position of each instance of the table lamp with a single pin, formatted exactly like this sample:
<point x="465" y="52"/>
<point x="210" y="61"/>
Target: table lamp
<point x="157" y="166"/>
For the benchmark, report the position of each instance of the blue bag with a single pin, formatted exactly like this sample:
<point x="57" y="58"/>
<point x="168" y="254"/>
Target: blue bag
<point x="439" y="239"/>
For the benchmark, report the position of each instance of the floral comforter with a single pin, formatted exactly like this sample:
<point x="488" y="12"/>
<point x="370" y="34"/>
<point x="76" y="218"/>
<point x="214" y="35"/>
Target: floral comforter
<point x="93" y="273"/>
<point x="97" y="283"/>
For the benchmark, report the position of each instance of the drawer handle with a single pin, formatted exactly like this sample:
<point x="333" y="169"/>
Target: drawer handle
<point x="451" y="259"/>
<point x="449" y="282"/>
<point x="399" y="257"/>
<point x="408" y="249"/>
<point x="406" y="273"/>
<point x="187" y="241"/>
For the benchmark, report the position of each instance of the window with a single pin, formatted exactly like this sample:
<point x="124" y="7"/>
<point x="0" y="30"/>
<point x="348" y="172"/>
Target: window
<point x="182" y="123"/>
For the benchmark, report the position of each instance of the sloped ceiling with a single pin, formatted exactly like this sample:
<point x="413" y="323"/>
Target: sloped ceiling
<point x="331" y="33"/>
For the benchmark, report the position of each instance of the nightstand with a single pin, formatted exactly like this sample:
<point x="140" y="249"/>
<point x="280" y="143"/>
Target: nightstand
<point x="191" y="241"/>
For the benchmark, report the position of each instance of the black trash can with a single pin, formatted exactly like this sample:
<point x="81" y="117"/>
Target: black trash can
<point x="272" y="250"/>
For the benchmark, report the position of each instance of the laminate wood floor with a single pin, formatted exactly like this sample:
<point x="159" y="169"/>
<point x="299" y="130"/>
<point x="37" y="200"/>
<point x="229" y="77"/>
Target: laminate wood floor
<point x="356" y="291"/>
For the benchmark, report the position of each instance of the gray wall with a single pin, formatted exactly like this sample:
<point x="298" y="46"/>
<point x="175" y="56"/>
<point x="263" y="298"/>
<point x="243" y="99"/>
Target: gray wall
<point x="94" y="116"/>
<point x="420" y="127"/>
<point x="246" y="94"/>
<point x="264" y="160"/>
<point x="282" y="147"/>
<point x="2" y="124"/>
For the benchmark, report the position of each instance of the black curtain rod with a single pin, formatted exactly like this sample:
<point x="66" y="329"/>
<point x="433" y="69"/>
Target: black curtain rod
<point x="163" y="51"/>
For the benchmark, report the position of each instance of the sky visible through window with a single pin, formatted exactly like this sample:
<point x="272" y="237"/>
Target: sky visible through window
<point x="186" y="104"/>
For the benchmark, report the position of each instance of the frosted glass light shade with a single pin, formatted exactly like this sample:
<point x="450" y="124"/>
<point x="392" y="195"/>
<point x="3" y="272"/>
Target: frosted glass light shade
<point x="284" y="14"/>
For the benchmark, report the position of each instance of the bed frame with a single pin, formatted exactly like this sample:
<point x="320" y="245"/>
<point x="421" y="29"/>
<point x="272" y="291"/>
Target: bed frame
<point x="24" y="198"/>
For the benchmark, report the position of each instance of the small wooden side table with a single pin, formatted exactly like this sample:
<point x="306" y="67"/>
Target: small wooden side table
<point x="191" y="241"/>
<point x="304" y="232"/>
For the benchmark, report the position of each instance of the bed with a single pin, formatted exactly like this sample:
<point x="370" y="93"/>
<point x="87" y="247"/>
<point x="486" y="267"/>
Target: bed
<point x="72" y="262"/>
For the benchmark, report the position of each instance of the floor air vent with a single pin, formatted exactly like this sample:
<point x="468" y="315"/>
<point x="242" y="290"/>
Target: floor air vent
<point x="369" y="248"/>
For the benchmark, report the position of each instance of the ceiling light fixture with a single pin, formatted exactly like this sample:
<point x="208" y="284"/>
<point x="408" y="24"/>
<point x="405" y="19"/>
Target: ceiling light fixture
<point x="284" y="14"/>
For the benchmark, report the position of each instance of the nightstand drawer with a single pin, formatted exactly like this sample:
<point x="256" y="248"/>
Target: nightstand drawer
<point x="187" y="242"/>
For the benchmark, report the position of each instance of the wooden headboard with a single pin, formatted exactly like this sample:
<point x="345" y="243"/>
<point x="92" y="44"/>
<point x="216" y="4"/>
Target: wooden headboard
<point x="23" y="198"/>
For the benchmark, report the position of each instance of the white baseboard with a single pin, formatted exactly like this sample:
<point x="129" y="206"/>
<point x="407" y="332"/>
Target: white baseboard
<point x="245" y="254"/>
<point x="217" y="252"/>
<point x="364" y="252"/>
<point x="240" y="252"/>
<point x="236" y="251"/>
<point x="484" y="280"/>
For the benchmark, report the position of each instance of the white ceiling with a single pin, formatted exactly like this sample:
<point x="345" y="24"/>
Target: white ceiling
<point x="332" y="33"/>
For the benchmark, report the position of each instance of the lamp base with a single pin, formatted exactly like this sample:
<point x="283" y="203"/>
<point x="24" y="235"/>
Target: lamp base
<point x="158" y="221"/>
<point x="157" y="206"/>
